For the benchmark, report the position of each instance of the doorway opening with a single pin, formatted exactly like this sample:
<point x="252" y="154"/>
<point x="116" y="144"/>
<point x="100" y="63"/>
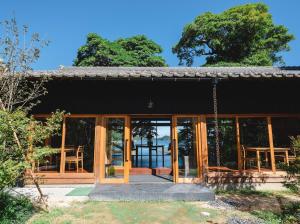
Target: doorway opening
<point x="151" y="159"/>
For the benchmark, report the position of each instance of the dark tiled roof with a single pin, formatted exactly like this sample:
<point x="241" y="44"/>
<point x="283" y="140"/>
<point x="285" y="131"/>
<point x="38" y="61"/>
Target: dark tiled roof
<point x="170" y="72"/>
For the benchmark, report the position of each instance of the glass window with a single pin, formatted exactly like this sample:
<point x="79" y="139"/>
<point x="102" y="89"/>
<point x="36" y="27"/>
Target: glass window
<point x="227" y="143"/>
<point x="79" y="145"/>
<point x="187" y="147"/>
<point x="283" y="130"/>
<point x="254" y="139"/>
<point x="50" y="163"/>
<point x="114" y="152"/>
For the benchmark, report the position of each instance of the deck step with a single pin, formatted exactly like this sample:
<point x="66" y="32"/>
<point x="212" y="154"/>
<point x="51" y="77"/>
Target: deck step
<point x="151" y="192"/>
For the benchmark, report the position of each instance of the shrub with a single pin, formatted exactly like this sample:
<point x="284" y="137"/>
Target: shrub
<point x="15" y="209"/>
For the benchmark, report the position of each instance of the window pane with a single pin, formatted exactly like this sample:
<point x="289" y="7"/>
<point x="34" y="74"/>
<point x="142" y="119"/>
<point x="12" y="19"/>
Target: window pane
<point x="254" y="135"/>
<point x="187" y="147"/>
<point x="227" y="143"/>
<point x="114" y="156"/>
<point x="50" y="163"/>
<point x="283" y="130"/>
<point x="254" y="132"/>
<point x="79" y="144"/>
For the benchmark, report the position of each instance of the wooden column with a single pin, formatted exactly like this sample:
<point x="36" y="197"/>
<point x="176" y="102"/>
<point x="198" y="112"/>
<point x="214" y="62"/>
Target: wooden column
<point x="204" y="145"/>
<point x="62" y="152"/>
<point x="199" y="148"/>
<point x="174" y="150"/>
<point x="127" y="149"/>
<point x="102" y="130"/>
<point x="97" y="144"/>
<point x="238" y="144"/>
<point x="271" y="143"/>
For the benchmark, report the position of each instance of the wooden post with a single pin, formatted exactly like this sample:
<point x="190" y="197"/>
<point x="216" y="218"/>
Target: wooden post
<point x="271" y="144"/>
<point x="238" y="144"/>
<point x="102" y="146"/>
<point x="199" y="149"/>
<point x="174" y="150"/>
<point x="62" y="152"/>
<point x="127" y="149"/>
<point x="204" y="145"/>
<point x="97" y="148"/>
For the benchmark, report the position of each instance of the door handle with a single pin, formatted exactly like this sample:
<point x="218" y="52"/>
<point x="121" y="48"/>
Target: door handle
<point x="174" y="149"/>
<point x="126" y="154"/>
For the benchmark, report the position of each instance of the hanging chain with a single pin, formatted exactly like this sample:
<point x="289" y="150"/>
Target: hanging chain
<point x="215" y="99"/>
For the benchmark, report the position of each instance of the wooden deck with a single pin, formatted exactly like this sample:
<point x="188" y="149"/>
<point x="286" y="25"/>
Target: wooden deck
<point x="246" y="176"/>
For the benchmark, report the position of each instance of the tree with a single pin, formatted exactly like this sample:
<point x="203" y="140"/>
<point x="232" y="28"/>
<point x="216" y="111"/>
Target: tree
<point x="16" y="57"/>
<point x="17" y="156"/>
<point x="134" y="51"/>
<point x="20" y="134"/>
<point x="243" y="35"/>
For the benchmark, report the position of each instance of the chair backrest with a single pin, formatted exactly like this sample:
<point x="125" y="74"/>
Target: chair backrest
<point x="80" y="150"/>
<point x="243" y="151"/>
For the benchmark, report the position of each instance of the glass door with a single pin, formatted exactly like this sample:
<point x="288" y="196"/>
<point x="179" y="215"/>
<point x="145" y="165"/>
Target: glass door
<point x="186" y="150"/>
<point x="115" y="150"/>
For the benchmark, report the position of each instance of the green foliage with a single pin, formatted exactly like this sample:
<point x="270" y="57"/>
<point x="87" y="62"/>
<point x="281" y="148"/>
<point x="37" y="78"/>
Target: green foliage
<point x="134" y="51"/>
<point x="241" y="36"/>
<point x="293" y="169"/>
<point x="22" y="143"/>
<point x="14" y="209"/>
<point x="111" y="171"/>
<point x="242" y="191"/>
<point x="290" y="214"/>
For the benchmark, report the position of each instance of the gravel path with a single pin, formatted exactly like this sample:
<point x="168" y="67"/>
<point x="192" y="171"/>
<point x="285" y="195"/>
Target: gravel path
<point x="56" y="195"/>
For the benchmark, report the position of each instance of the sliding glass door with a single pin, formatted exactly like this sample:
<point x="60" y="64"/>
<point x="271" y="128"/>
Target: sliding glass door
<point x="186" y="149"/>
<point x="115" y="150"/>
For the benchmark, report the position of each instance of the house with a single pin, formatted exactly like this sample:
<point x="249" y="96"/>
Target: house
<point x="126" y="122"/>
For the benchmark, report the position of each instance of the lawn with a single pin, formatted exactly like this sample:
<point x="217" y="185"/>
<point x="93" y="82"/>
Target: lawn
<point x="133" y="212"/>
<point x="238" y="206"/>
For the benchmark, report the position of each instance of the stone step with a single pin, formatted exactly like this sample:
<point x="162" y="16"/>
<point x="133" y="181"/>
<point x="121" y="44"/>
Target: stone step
<point x="151" y="192"/>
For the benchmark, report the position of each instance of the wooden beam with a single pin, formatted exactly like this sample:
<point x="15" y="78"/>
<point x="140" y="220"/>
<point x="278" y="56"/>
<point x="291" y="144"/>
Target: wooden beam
<point x="238" y="144"/>
<point x="62" y="153"/>
<point x="271" y="144"/>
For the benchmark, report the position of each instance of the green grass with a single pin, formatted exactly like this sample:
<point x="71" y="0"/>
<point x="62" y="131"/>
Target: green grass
<point x="129" y="213"/>
<point x="80" y="191"/>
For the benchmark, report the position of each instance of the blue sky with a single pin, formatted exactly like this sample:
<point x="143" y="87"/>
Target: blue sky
<point x="66" y="23"/>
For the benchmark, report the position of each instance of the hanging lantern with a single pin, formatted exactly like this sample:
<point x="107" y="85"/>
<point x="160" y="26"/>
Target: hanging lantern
<point x="150" y="104"/>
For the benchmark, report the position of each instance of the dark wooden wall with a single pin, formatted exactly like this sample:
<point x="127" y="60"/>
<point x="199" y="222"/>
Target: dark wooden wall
<point x="171" y="97"/>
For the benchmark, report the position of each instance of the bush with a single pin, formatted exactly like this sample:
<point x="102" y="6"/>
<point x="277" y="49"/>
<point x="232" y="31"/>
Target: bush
<point x="293" y="179"/>
<point x="290" y="215"/>
<point x="15" y="209"/>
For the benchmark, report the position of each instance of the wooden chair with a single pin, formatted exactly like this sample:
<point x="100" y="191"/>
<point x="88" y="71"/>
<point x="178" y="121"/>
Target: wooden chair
<point x="246" y="158"/>
<point x="292" y="156"/>
<point x="76" y="159"/>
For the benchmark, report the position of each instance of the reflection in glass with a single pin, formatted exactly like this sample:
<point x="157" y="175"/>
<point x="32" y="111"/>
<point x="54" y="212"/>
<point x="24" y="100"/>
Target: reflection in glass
<point x="79" y="144"/>
<point x="114" y="153"/>
<point x="51" y="161"/>
<point x="187" y="149"/>
<point x="254" y="133"/>
<point x="227" y="142"/>
<point x="283" y="130"/>
<point x="151" y="143"/>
